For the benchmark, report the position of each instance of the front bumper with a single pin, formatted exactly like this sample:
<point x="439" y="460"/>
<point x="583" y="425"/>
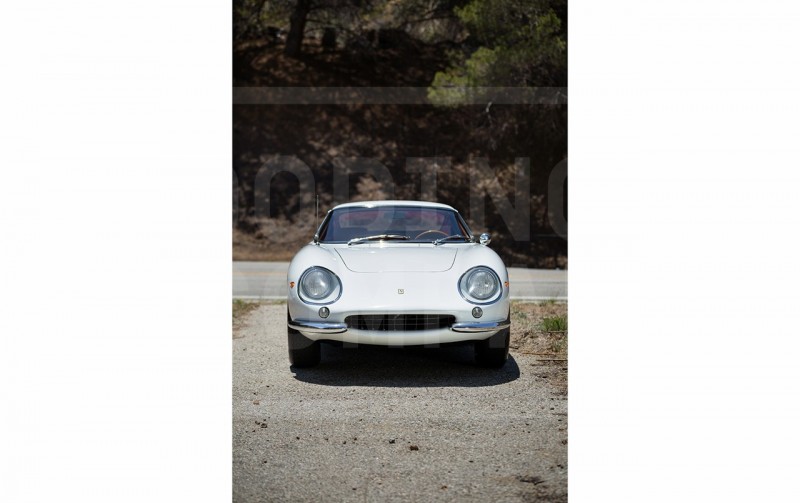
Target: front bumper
<point x="457" y="332"/>
<point x="317" y="327"/>
<point x="477" y="327"/>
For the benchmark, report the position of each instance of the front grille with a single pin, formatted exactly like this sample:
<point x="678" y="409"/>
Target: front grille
<point x="399" y="322"/>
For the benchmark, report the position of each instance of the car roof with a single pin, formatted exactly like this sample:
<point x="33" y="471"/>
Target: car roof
<point x="375" y="204"/>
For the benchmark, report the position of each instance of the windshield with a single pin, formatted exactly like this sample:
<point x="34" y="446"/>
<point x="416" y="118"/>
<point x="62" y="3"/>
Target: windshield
<point x="404" y="224"/>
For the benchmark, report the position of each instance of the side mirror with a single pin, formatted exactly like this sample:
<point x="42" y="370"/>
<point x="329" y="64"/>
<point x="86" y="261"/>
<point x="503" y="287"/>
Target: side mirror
<point x="316" y="239"/>
<point x="485" y="239"/>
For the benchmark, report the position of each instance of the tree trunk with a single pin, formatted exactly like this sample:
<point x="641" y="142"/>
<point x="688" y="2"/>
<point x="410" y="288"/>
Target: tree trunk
<point x="297" y="26"/>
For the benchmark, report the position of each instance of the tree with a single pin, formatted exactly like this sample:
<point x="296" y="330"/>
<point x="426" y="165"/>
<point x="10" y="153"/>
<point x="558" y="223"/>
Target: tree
<point x="511" y="43"/>
<point x="250" y="16"/>
<point x="297" y="28"/>
<point x="246" y="14"/>
<point x="431" y="18"/>
<point x="337" y="14"/>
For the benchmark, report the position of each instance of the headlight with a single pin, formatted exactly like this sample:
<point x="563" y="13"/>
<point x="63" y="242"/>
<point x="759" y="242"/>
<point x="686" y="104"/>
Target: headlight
<point x="319" y="286"/>
<point x="480" y="285"/>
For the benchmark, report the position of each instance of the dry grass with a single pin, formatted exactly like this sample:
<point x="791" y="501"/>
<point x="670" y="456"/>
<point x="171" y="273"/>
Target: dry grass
<point x="252" y="247"/>
<point x="540" y="329"/>
<point x="271" y="239"/>
<point x="240" y="311"/>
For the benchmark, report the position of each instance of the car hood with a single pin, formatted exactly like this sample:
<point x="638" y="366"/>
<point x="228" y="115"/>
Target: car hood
<point x="400" y="258"/>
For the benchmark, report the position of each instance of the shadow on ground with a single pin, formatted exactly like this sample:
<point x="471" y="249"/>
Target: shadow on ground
<point x="404" y="367"/>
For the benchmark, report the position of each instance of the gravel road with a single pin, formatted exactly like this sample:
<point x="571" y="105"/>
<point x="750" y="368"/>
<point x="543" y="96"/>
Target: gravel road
<point x="390" y="424"/>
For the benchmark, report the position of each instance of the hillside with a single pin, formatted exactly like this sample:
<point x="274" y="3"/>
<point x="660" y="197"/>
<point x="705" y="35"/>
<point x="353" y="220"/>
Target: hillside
<point x="326" y="137"/>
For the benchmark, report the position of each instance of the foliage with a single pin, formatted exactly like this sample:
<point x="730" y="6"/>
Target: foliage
<point x="431" y="21"/>
<point x="554" y="324"/>
<point x="395" y="44"/>
<point x="512" y="43"/>
<point x="246" y="17"/>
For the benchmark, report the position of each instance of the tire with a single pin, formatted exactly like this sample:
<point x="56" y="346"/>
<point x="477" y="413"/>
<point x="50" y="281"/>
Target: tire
<point x="493" y="352"/>
<point x="303" y="352"/>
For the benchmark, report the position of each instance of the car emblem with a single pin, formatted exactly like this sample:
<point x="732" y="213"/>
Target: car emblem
<point x="400" y="291"/>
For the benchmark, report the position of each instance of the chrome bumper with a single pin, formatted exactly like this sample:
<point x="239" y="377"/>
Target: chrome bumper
<point x="322" y="327"/>
<point x="486" y="326"/>
<point x="318" y="327"/>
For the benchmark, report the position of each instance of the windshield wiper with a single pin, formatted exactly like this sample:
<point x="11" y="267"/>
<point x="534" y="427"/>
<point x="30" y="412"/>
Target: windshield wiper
<point x="377" y="237"/>
<point x="439" y="241"/>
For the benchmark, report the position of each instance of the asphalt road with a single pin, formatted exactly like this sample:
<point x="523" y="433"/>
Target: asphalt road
<point x="381" y="424"/>
<point x="267" y="280"/>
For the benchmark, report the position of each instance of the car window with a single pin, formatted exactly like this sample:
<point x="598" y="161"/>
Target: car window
<point x="418" y="223"/>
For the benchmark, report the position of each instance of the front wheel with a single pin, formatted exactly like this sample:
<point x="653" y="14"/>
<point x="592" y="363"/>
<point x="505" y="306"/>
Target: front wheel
<point x="303" y="352"/>
<point x="493" y="352"/>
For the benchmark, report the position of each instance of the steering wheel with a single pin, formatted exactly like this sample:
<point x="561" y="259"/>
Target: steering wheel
<point x="431" y="231"/>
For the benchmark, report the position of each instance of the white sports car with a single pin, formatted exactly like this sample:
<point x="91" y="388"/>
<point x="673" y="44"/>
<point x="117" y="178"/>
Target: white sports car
<point x="397" y="273"/>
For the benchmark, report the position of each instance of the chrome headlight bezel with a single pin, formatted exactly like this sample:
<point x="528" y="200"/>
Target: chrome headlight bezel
<point x="330" y="296"/>
<point x="463" y="286"/>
